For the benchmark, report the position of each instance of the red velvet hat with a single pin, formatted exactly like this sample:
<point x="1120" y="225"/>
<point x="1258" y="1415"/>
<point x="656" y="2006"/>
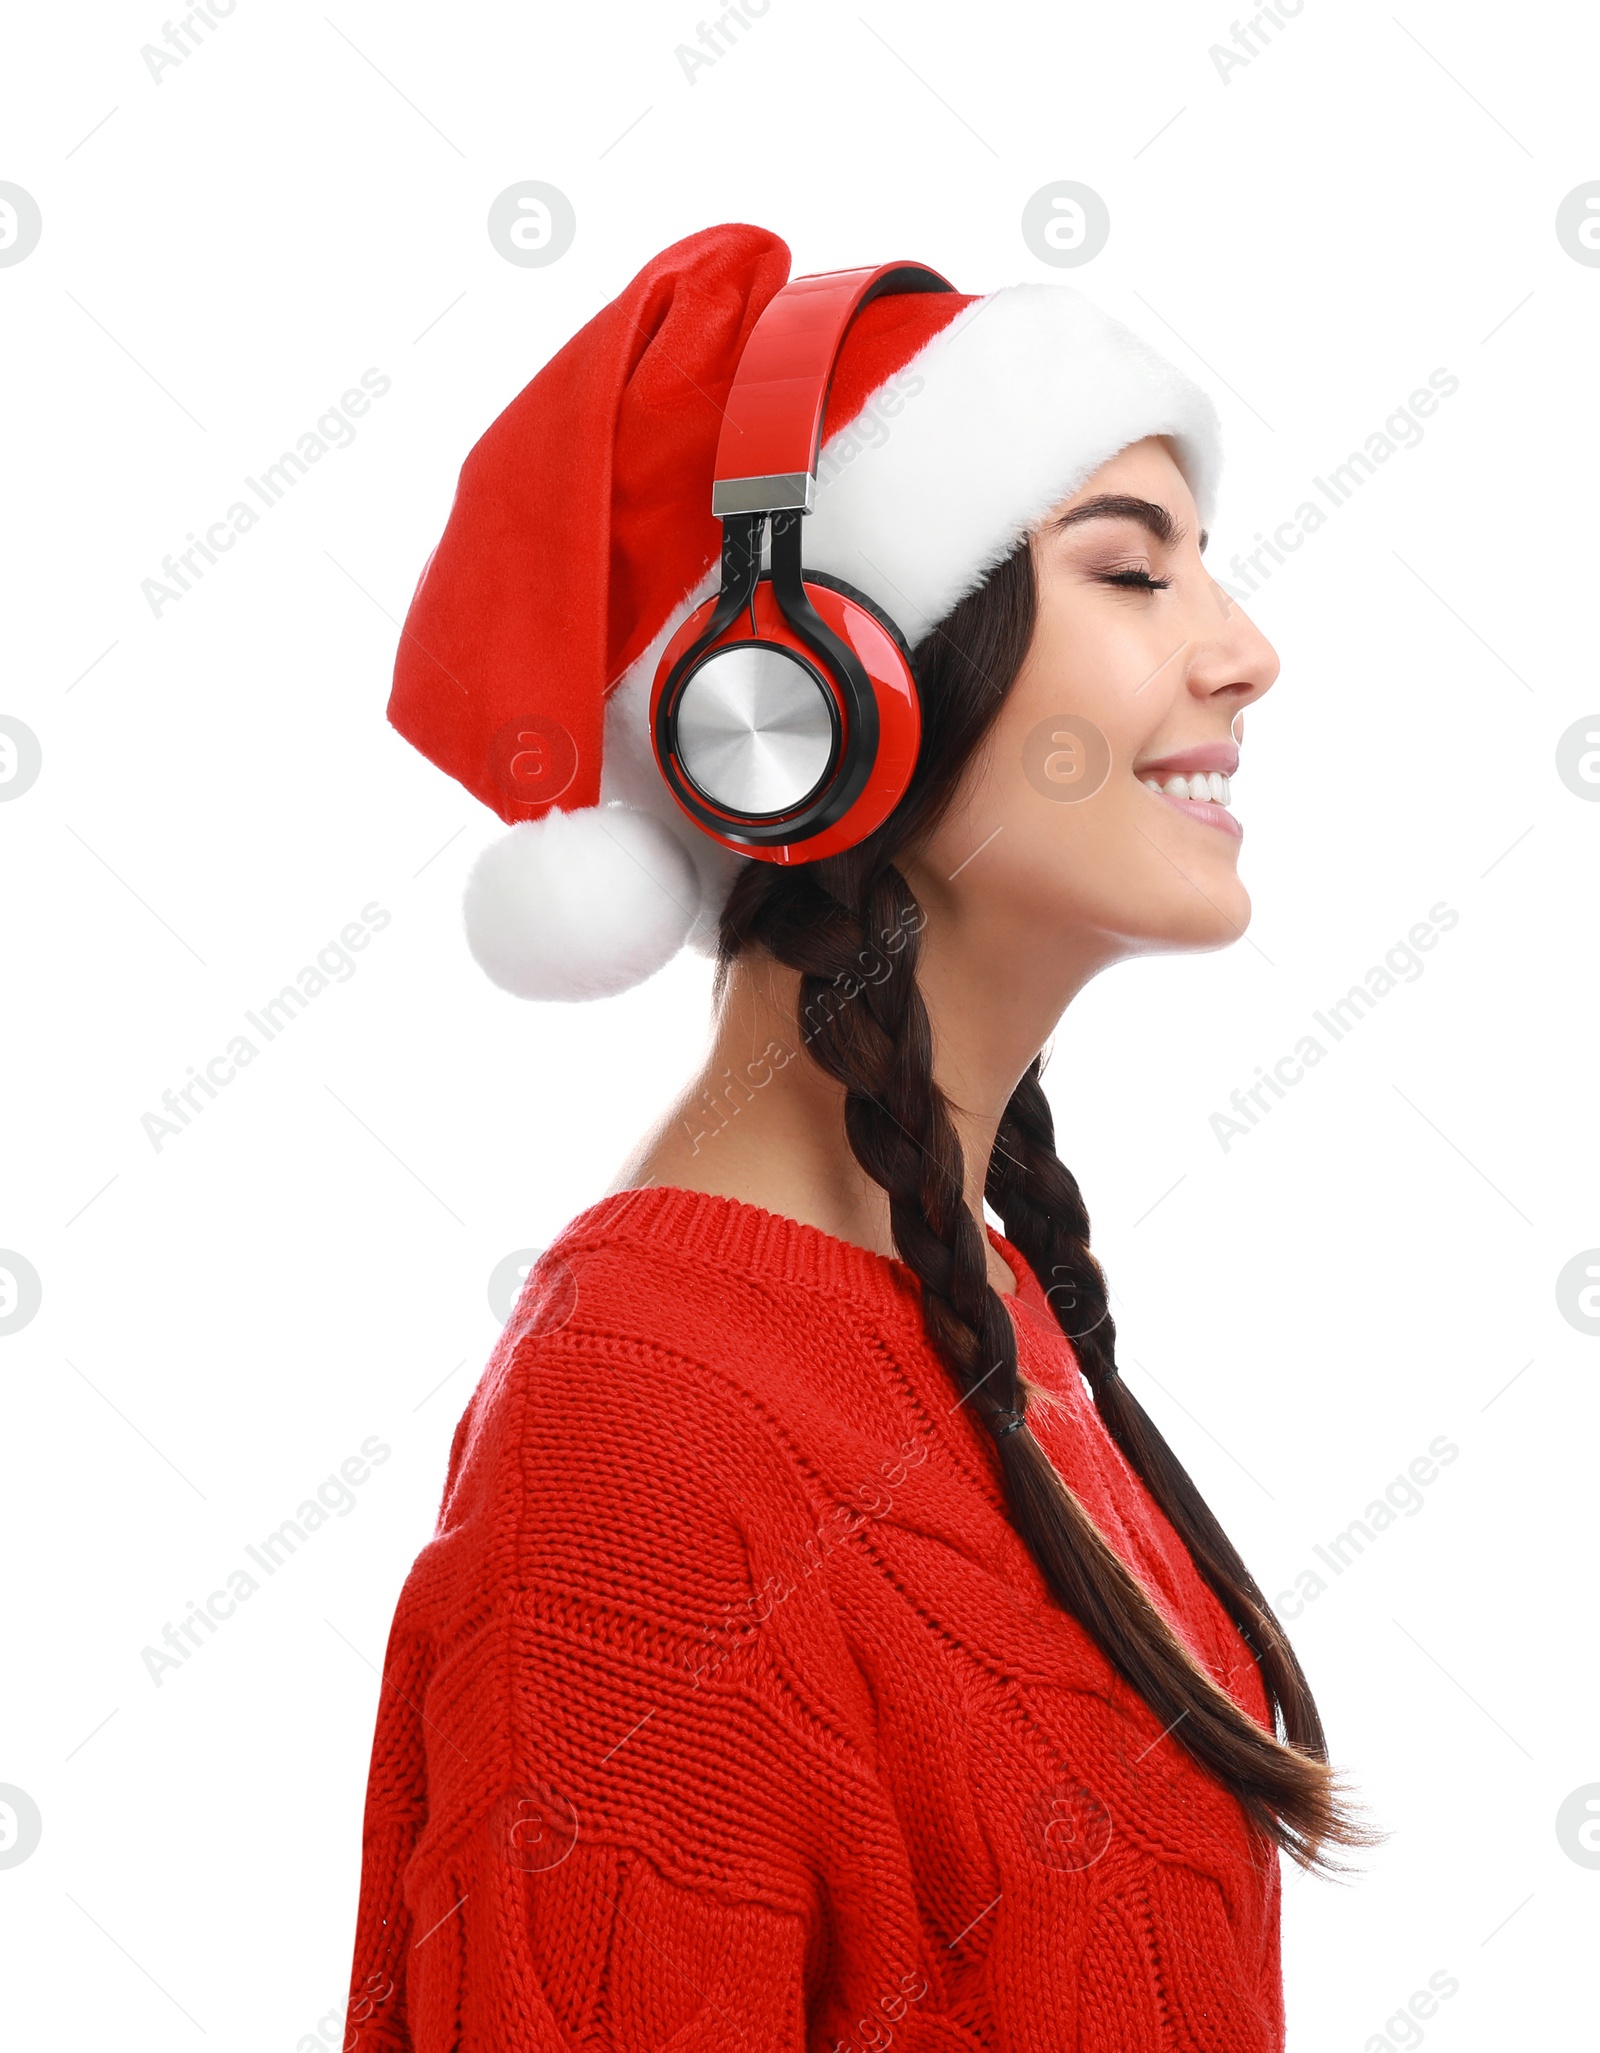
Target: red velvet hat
<point x="582" y="535"/>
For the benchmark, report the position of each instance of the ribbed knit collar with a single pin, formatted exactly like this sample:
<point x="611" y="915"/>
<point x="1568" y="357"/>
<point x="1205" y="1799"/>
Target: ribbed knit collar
<point x="750" y="1240"/>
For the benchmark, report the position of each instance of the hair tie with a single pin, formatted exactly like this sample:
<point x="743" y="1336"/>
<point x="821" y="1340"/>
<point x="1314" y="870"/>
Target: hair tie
<point x="1007" y="1422"/>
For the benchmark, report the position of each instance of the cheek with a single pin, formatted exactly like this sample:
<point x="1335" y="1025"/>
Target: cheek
<point x="1061" y="853"/>
<point x="1055" y="778"/>
<point x="1110" y="678"/>
<point x="1034" y="852"/>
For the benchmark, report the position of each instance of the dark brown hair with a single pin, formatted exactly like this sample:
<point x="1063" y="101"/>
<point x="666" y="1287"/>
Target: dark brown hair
<point x="830" y="921"/>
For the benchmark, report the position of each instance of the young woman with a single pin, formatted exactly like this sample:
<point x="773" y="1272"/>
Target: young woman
<point x="820" y="1646"/>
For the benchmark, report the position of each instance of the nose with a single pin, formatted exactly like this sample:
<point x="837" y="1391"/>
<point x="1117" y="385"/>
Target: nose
<point x="1231" y="660"/>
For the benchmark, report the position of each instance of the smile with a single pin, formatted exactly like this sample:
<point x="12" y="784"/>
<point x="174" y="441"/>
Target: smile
<point x="1204" y="794"/>
<point x="1213" y="786"/>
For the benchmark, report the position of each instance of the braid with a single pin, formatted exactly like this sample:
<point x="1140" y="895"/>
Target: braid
<point x="878" y="1044"/>
<point x="849" y="925"/>
<point x="1043" y="1213"/>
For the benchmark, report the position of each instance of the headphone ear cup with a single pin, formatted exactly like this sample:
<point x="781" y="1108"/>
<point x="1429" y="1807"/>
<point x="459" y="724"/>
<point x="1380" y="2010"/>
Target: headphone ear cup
<point x="859" y="598"/>
<point x="761" y="707"/>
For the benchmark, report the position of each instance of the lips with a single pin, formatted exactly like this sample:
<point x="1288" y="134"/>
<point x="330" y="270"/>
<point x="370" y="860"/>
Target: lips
<point x="1196" y="781"/>
<point x="1204" y="757"/>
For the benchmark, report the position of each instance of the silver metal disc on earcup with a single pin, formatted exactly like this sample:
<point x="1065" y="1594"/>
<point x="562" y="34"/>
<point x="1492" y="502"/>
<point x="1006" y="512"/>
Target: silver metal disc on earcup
<point x="755" y="729"/>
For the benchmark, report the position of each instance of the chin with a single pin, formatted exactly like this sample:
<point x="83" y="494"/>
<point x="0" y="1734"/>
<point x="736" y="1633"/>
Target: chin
<point x="1194" y="924"/>
<point x="1220" y="924"/>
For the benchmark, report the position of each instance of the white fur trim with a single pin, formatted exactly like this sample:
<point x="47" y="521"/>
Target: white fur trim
<point x="1004" y="414"/>
<point x="581" y="904"/>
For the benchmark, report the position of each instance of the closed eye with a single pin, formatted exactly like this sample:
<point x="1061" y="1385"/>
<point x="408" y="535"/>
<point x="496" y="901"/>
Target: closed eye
<point x="1135" y="580"/>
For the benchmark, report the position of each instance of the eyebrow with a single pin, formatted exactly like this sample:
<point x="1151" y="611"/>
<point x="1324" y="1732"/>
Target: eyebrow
<point x="1123" y="506"/>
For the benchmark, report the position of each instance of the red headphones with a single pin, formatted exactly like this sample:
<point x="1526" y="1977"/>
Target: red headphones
<point x="784" y="715"/>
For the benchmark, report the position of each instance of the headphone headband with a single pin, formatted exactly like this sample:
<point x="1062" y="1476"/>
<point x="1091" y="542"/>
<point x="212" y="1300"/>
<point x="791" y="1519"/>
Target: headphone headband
<point x="772" y="427"/>
<point x="785" y="715"/>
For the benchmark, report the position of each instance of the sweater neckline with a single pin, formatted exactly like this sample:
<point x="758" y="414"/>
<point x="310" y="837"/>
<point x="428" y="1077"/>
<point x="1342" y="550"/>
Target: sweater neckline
<point x="738" y="1235"/>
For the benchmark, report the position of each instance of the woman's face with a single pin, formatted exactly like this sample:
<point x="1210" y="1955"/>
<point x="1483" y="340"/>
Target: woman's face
<point x="1079" y="829"/>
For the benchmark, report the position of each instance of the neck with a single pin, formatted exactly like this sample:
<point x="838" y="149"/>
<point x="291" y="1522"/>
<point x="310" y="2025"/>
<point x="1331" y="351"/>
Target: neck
<point x="762" y="1122"/>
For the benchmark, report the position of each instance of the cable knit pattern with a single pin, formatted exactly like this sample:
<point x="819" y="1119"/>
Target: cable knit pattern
<point x="726" y="1710"/>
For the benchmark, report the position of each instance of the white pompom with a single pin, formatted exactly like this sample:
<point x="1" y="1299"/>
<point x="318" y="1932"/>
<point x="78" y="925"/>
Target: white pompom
<point x="581" y="904"/>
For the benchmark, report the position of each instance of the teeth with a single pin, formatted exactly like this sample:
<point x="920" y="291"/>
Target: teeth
<point x="1212" y="786"/>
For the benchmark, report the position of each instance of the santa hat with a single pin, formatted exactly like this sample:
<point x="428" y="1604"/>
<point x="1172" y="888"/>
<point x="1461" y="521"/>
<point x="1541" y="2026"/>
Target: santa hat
<point x="582" y="535"/>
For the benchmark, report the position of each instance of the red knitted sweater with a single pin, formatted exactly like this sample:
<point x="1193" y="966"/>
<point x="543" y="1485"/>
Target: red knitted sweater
<point x="726" y="1709"/>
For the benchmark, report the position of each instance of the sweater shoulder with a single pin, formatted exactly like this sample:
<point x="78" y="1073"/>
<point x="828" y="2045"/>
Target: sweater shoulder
<point x="653" y="1430"/>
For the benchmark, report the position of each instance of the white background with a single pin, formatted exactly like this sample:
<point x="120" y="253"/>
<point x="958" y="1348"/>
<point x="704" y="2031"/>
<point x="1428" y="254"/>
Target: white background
<point x="225" y="1319"/>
